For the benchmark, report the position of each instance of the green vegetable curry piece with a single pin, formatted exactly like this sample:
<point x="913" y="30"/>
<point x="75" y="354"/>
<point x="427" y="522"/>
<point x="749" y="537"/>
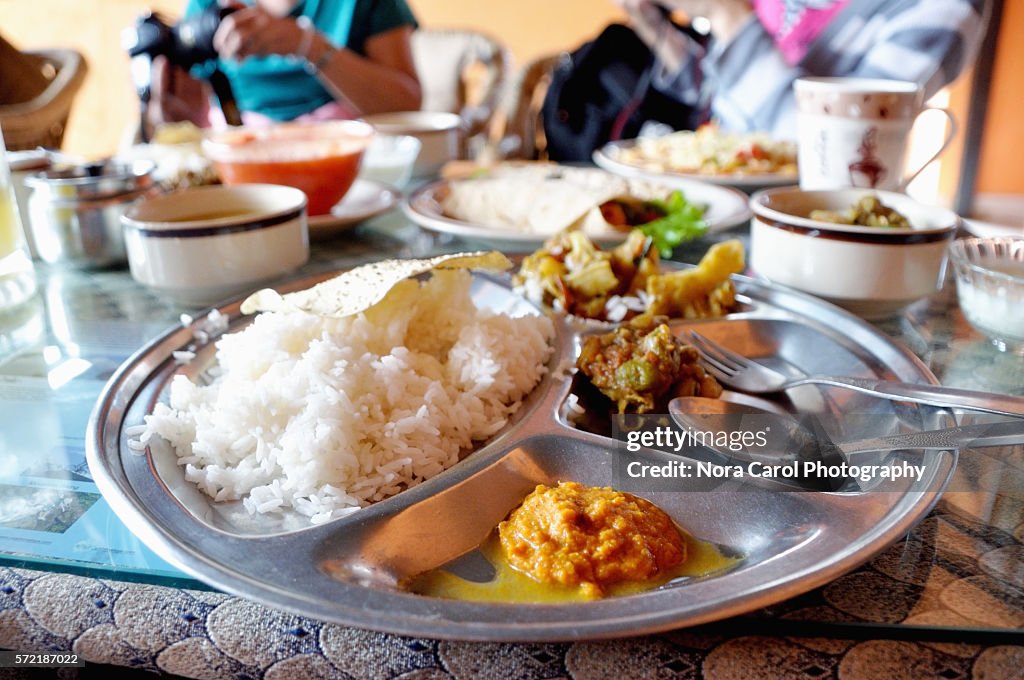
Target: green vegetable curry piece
<point x="641" y="362"/>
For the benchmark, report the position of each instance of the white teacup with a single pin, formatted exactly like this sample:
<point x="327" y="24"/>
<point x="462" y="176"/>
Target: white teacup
<point x="854" y="132"/>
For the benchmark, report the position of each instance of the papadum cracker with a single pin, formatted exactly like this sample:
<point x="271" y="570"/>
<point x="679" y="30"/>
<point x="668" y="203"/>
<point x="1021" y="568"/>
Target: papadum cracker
<point x="359" y="289"/>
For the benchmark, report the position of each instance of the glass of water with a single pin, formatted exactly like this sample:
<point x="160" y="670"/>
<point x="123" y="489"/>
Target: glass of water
<point x="17" y="276"/>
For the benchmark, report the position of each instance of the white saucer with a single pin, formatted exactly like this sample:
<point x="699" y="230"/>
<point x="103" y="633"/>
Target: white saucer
<point x="366" y="199"/>
<point x="990" y="230"/>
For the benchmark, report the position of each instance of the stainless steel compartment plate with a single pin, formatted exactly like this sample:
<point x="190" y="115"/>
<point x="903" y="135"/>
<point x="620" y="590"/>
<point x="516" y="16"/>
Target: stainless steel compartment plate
<point x="346" y="571"/>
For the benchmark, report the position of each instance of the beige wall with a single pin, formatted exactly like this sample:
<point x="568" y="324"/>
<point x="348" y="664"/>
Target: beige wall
<point x="107" y="106"/>
<point x="530" y="28"/>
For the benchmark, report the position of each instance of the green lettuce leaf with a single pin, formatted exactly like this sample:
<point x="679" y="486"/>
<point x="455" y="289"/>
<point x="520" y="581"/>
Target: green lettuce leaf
<point x="683" y="221"/>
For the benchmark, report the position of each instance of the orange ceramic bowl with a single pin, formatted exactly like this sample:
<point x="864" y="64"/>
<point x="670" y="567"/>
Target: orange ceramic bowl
<point x="320" y="158"/>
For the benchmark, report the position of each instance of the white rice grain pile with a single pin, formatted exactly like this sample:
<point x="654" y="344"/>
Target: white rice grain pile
<point x="326" y="415"/>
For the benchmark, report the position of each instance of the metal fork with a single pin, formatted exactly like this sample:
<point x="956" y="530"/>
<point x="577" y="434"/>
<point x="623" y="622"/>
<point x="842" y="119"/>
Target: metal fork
<point x="746" y="375"/>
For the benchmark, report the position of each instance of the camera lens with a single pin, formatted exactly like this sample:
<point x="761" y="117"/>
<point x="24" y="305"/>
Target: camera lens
<point x="193" y="36"/>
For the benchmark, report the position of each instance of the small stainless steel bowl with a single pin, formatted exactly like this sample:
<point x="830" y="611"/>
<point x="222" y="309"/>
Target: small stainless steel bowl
<point x="87" y="181"/>
<point x="75" y="211"/>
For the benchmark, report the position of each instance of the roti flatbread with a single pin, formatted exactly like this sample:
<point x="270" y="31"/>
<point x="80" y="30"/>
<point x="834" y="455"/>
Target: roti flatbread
<point x="544" y="199"/>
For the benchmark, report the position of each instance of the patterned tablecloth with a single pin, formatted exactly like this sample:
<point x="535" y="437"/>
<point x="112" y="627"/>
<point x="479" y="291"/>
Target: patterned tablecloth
<point x="947" y="601"/>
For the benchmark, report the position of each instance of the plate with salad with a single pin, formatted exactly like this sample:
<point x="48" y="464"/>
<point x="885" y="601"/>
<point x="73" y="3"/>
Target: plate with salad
<point x="525" y="203"/>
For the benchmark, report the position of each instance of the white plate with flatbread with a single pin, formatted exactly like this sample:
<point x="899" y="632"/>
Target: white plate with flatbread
<point x="527" y="203"/>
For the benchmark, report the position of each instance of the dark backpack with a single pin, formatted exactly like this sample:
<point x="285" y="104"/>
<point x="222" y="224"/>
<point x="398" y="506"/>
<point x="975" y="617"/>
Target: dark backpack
<point x="601" y="92"/>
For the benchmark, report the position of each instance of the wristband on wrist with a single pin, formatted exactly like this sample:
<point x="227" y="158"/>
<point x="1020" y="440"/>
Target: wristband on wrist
<point x="315" y="67"/>
<point x="308" y="32"/>
<point x="306" y="26"/>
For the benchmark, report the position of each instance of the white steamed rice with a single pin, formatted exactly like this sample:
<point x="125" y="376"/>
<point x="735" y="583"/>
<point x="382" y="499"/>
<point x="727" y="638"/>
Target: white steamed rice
<point x="324" y="415"/>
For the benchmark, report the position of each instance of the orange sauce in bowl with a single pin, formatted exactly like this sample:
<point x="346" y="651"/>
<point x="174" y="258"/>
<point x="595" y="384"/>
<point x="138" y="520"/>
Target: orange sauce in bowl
<point x="322" y="158"/>
<point x="324" y="180"/>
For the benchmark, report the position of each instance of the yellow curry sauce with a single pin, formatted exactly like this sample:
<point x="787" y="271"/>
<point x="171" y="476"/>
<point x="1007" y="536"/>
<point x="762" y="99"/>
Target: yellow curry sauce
<point x="574" y="543"/>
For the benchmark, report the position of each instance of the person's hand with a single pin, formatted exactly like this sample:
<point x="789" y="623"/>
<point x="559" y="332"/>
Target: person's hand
<point x="175" y="96"/>
<point x="253" y="31"/>
<point x="631" y="5"/>
<point x="726" y="16"/>
<point x="647" y="20"/>
<point x="650" y="23"/>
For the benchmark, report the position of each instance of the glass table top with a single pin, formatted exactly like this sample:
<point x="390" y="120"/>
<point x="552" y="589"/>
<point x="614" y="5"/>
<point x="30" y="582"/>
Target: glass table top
<point x="961" y="568"/>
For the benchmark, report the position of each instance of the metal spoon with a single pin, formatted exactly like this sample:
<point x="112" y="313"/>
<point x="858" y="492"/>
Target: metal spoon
<point x="808" y="438"/>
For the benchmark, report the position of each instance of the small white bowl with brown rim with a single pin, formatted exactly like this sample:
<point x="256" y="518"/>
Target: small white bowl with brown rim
<point x="200" y="246"/>
<point x="442" y="136"/>
<point x="874" y="272"/>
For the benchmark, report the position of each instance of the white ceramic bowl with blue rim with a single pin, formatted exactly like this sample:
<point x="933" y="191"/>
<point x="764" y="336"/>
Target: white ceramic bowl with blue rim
<point x="202" y="245"/>
<point x="873" y="272"/>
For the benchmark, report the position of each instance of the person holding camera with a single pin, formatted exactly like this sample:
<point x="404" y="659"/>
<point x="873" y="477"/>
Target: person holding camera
<point x="294" y="60"/>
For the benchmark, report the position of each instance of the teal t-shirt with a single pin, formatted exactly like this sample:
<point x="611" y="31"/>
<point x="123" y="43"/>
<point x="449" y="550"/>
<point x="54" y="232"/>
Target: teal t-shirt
<point x="279" y="86"/>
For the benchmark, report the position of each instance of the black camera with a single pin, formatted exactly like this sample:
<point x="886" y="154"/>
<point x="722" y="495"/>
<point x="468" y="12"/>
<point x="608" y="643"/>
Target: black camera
<point x="185" y="44"/>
